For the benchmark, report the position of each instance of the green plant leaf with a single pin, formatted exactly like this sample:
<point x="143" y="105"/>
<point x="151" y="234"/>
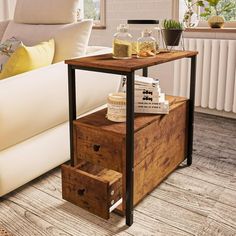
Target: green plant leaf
<point x="207" y="9"/>
<point x="200" y="3"/>
<point x="172" y="24"/>
<point x="213" y="3"/>
<point x="205" y="14"/>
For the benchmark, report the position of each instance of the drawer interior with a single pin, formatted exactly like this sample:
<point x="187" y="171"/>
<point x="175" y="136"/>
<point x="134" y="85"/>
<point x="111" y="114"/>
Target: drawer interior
<point x="92" y="187"/>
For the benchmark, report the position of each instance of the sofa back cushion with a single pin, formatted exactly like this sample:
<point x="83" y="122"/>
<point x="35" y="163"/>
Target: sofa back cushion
<point x="46" y="11"/>
<point x="3" y="26"/>
<point x="71" y="40"/>
<point x="30" y="35"/>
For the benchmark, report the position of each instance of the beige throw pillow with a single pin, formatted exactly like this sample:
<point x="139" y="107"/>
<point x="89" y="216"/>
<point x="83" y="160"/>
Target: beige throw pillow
<point x="71" y="41"/>
<point x="46" y="11"/>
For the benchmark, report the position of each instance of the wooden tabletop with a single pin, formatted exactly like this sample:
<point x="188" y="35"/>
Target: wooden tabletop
<point x="106" y="62"/>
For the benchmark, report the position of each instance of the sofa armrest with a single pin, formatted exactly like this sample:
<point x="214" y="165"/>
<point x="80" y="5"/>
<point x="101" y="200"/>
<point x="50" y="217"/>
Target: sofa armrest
<point x="3" y="26"/>
<point x="35" y="101"/>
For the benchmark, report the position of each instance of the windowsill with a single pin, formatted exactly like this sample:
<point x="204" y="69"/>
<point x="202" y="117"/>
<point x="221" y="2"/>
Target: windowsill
<point x="211" y="30"/>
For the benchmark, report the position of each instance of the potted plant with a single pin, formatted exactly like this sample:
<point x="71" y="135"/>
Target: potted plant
<point x="172" y="31"/>
<point x="213" y="11"/>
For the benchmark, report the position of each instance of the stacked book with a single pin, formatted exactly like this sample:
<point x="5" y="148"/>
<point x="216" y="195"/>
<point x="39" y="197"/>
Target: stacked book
<point x="148" y="96"/>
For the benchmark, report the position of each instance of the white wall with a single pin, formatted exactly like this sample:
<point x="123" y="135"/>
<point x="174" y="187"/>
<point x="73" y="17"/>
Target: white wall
<point x="118" y="11"/>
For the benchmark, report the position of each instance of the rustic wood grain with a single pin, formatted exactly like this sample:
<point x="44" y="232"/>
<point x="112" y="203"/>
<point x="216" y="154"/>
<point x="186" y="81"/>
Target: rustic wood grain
<point x="160" y="145"/>
<point x="184" y="195"/>
<point x="94" y="145"/>
<point x="215" y="228"/>
<point x="107" y="62"/>
<point x="188" y="193"/>
<point x="4" y="232"/>
<point x="91" y="187"/>
<point x="224" y="210"/>
<point x="96" y="130"/>
<point x="143" y="225"/>
<point x="172" y="214"/>
<point x="200" y="172"/>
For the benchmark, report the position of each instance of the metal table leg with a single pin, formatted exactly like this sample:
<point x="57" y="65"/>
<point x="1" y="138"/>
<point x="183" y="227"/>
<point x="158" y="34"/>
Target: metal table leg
<point x="129" y="148"/>
<point x="191" y="110"/>
<point x="145" y="72"/>
<point x="72" y="107"/>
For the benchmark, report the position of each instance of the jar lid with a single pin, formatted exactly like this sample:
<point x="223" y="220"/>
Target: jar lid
<point x="123" y="28"/>
<point x="146" y="33"/>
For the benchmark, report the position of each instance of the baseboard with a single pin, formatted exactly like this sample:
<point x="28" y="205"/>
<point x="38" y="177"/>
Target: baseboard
<point x="216" y="112"/>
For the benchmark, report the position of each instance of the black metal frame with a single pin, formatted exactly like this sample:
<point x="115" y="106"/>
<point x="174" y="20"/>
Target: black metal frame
<point x="129" y="123"/>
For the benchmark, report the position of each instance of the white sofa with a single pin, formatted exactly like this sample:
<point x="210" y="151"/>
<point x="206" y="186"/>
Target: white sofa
<point x="34" y="131"/>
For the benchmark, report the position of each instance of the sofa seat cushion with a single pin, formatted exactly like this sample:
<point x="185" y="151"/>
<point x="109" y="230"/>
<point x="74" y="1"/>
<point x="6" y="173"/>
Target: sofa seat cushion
<point x="28" y="58"/>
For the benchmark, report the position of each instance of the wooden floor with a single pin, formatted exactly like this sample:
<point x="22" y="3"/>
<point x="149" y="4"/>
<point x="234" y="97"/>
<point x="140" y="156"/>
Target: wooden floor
<point x="196" y="200"/>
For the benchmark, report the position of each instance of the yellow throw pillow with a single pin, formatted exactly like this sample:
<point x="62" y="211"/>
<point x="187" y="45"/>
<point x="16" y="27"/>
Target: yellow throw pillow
<point x="29" y="58"/>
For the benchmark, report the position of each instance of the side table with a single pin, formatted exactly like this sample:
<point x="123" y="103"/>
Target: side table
<point x="106" y="64"/>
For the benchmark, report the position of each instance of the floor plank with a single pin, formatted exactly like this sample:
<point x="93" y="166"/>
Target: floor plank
<point x="172" y="214"/>
<point x="189" y="194"/>
<point x="214" y="228"/>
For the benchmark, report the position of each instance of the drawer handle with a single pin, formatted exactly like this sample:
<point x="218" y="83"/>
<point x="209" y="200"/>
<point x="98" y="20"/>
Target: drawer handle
<point x="81" y="192"/>
<point x="96" y="147"/>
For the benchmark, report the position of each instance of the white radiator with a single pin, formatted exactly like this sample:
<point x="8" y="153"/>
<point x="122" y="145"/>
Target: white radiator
<point x="215" y="77"/>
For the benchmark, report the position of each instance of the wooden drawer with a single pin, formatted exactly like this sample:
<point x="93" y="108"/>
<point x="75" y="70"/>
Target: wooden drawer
<point x="93" y="146"/>
<point x="92" y="188"/>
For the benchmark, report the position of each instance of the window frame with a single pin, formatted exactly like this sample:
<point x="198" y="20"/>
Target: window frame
<point x="202" y="23"/>
<point x="97" y="24"/>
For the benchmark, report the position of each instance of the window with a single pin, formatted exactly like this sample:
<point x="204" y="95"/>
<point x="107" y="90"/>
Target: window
<point x="230" y="18"/>
<point x="93" y="9"/>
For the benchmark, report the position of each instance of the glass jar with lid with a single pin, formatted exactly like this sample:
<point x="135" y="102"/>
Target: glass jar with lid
<point x="146" y="45"/>
<point x="122" y="43"/>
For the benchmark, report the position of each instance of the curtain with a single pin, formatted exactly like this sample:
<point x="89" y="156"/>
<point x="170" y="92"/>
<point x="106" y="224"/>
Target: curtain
<point x="7" y="9"/>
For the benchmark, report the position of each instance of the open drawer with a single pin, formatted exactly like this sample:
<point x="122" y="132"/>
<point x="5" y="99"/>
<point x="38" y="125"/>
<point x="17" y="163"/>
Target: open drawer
<point x="91" y="187"/>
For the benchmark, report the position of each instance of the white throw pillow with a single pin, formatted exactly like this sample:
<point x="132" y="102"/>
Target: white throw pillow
<point x="71" y="41"/>
<point x="29" y="34"/>
<point x="46" y="11"/>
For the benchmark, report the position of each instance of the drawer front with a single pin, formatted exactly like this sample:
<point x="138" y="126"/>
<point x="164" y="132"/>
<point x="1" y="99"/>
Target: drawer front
<point x="92" y="191"/>
<point x="101" y="148"/>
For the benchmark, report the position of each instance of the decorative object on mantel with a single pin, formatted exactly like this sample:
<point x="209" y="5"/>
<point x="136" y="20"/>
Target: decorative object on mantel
<point x="213" y="12"/>
<point x="191" y="18"/>
<point x="172" y="33"/>
<point x="122" y="43"/>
